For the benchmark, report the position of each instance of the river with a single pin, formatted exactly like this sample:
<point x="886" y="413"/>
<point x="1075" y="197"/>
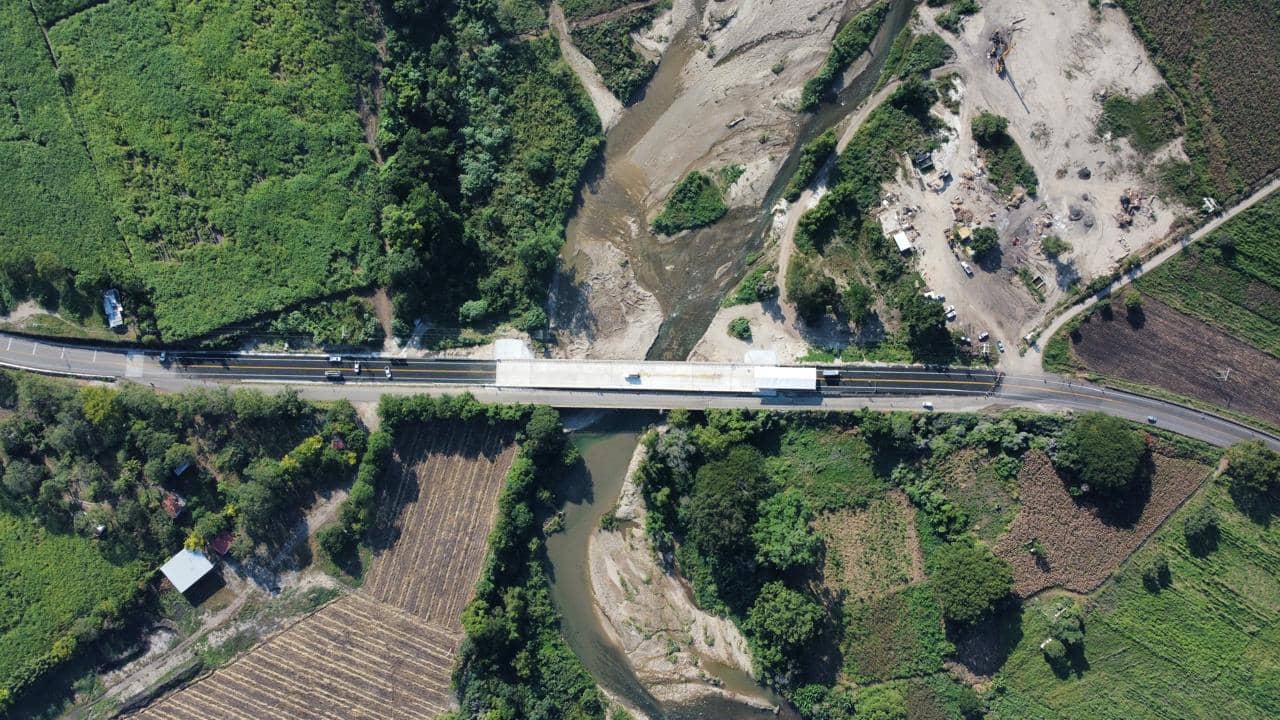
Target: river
<point x="689" y="275"/>
<point x="607" y="447"/>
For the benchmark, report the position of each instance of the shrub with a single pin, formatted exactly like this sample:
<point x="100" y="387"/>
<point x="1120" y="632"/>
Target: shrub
<point x="812" y="291"/>
<point x="782" y="622"/>
<point x="812" y="155"/>
<point x="1201" y="529"/>
<point x="1253" y="469"/>
<point x="989" y="128"/>
<point x="968" y="581"/>
<point x="1102" y="451"/>
<point x="782" y="534"/>
<point x="334" y="541"/>
<point x="1155" y="573"/>
<point x="696" y="201"/>
<point x="740" y="328"/>
<point x="1055" y="246"/>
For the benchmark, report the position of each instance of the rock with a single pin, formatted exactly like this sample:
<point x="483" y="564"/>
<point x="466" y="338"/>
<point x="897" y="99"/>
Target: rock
<point x="1084" y="173"/>
<point x="1075" y="213"/>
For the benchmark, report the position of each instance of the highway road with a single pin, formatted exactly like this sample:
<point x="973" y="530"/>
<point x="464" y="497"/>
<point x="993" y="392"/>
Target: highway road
<point x="887" y="388"/>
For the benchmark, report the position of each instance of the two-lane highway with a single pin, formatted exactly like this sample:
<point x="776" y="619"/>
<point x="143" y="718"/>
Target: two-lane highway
<point x="844" y="381"/>
<point x="341" y="369"/>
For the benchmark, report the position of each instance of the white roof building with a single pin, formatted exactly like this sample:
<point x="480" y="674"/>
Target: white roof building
<point x="186" y="568"/>
<point x="903" y="242"/>
<point x="769" y="379"/>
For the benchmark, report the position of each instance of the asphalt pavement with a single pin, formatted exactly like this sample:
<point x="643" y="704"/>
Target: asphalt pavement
<point x="880" y="388"/>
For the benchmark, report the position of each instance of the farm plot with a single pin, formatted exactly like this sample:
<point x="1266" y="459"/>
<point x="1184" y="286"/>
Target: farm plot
<point x="227" y="137"/>
<point x="438" y="517"/>
<point x="1205" y="646"/>
<point x="1179" y="353"/>
<point x="1080" y="548"/>
<point x="354" y="658"/>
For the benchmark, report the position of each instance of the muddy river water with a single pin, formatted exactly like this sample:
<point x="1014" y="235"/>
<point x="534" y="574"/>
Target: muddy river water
<point x="690" y="274"/>
<point x="607" y="447"/>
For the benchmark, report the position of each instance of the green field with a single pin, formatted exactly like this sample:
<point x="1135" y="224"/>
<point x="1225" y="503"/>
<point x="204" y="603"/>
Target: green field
<point x="1221" y="59"/>
<point x="227" y="139"/>
<point x="1231" y="279"/>
<point x="1207" y="646"/>
<point x="53" y="206"/>
<point x="54" y="590"/>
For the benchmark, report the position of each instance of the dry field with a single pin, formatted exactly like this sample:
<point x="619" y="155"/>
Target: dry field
<point x="1081" y="549"/>
<point x="1181" y="354"/>
<point x="353" y="658"/>
<point x="388" y="650"/>
<point x="872" y="552"/>
<point x="443" y="507"/>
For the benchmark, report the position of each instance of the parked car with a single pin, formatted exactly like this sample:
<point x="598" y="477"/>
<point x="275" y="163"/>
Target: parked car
<point x="982" y="336"/>
<point x="1000" y="345"/>
<point x="968" y="269"/>
<point x="927" y="405"/>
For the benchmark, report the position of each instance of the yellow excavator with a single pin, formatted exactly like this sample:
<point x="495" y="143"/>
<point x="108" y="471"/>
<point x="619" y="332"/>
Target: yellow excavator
<point x="1000" y="55"/>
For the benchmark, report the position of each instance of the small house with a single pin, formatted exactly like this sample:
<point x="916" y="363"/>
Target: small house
<point x="186" y="568"/>
<point x="173" y="505"/>
<point x="221" y="543"/>
<point x="902" y="241"/>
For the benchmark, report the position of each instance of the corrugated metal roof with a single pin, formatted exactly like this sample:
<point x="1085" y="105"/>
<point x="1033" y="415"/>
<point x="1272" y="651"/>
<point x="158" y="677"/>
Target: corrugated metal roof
<point x="186" y="568"/>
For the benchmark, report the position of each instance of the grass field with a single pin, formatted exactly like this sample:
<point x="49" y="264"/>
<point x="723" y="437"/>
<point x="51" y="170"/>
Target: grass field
<point x="834" y="470"/>
<point x="54" y="588"/>
<point x="1221" y="59"/>
<point x="52" y="203"/>
<point x="443" y="506"/>
<point x="352" y="658"/>
<point x="1206" y="646"/>
<point x="872" y="552"/>
<point x="226" y="136"/>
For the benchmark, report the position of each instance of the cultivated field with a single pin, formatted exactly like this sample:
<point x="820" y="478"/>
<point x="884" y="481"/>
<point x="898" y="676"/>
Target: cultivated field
<point x="1081" y="548"/>
<point x="1206" y="646"/>
<point x="354" y="658"/>
<point x="1181" y="354"/>
<point x="439" y="514"/>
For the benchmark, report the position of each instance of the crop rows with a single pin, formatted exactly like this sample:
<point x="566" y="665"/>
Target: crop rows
<point x="353" y="659"/>
<point x="448" y="486"/>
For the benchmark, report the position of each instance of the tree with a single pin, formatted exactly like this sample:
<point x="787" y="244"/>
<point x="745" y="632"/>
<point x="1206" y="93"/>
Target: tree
<point x="812" y="291"/>
<point x="1155" y="573"/>
<point x="1102" y="452"/>
<point x="740" y="328"/>
<point x="968" y="581"/>
<point x="544" y="439"/>
<point x="722" y="511"/>
<point x="1132" y="300"/>
<point x="782" y="534"/>
<point x="985" y="240"/>
<point x="857" y="300"/>
<point x="1253" y="469"/>
<point x="782" y="622"/>
<point x="1054" y="246"/>
<point x="925" y="323"/>
<point x="1201" y="529"/>
<point x="334" y="541"/>
<point x="22" y="479"/>
<point x="989" y="128"/>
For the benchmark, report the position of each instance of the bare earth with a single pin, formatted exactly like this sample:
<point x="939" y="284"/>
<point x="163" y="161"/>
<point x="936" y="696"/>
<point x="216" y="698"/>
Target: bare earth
<point x="1165" y="348"/>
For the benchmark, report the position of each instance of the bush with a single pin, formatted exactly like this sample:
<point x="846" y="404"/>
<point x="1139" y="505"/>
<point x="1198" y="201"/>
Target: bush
<point x="782" y="534"/>
<point x="335" y="542"/>
<point x="740" y="328"/>
<point x="812" y="291"/>
<point x="968" y="581"/>
<point x="1253" y="470"/>
<point x="989" y="128"/>
<point x="1132" y="300"/>
<point x="696" y="201"/>
<point x="1055" y="246"/>
<point x="812" y="156"/>
<point x="782" y="623"/>
<point x="1201" y="529"/>
<point x="1103" y="452"/>
<point x="1155" y="573"/>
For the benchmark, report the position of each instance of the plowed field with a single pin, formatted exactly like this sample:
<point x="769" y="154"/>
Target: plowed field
<point x="1184" y="355"/>
<point x="443" y="508"/>
<point x="352" y="659"/>
<point x="1081" y="549"/>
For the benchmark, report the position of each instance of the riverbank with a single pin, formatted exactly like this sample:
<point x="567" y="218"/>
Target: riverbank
<point x="682" y="655"/>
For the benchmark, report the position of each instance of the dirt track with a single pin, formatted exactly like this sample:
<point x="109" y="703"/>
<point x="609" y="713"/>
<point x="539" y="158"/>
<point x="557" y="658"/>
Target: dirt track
<point x="1181" y="354"/>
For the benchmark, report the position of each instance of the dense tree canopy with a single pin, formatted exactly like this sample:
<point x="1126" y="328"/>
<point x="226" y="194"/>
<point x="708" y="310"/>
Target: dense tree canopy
<point x="782" y="622"/>
<point x="968" y="581"/>
<point x="1103" y="452"/>
<point x="1253" y="469"/>
<point x="722" y="511"/>
<point x="782" y="535"/>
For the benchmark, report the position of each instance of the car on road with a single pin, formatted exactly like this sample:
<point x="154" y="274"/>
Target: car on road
<point x="356" y="368"/>
<point x="386" y="371"/>
<point x="927" y="405"/>
<point x="164" y="358"/>
<point x="1152" y="419"/>
<point x="1000" y="345"/>
<point x="968" y="269"/>
<point x="333" y="375"/>
<point x="335" y="359"/>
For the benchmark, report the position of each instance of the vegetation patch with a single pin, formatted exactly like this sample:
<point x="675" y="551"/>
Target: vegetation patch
<point x="913" y="54"/>
<point x="610" y="48"/>
<point x="760" y="284"/>
<point x="1215" y="622"/>
<point x="833" y="469"/>
<point x="812" y="156"/>
<point x="228" y="142"/>
<point x="1221" y="60"/>
<point x="899" y="635"/>
<point x="952" y="19"/>
<point x="696" y="201"/>
<point x="872" y="552"/>
<point x="850" y="42"/>
<point x="58" y="239"/>
<point x="1007" y="167"/>
<point x="1058" y="541"/>
<point x="1150" y="122"/>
